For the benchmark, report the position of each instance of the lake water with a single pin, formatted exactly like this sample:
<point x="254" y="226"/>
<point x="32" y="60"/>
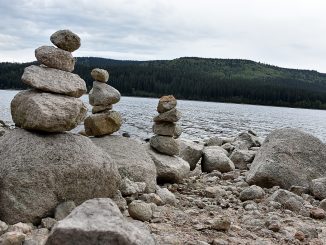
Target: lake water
<point x="202" y="120"/>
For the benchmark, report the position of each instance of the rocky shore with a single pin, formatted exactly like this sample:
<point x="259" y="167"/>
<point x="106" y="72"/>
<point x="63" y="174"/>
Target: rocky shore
<point x="57" y="187"/>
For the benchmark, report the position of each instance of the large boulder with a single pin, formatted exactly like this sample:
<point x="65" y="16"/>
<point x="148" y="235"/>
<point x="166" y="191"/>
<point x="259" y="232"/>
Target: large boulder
<point x="98" y="221"/>
<point x="66" y="40"/>
<point x="171" y="169"/>
<point x="288" y="200"/>
<point x="35" y="110"/>
<point x="288" y="157"/>
<point x="103" y="94"/>
<point x="131" y="158"/>
<point x="318" y="188"/>
<point x="190" y="152"/>
<point x="38" y="171"/>
<point x="215" y="158"/>
<point x="54" y="81"/>
<point x="104" y="123"/>
<point x="55" y="58"/>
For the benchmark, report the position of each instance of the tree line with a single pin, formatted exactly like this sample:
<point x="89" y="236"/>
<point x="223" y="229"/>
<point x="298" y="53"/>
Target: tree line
<point x="220" y="80"/>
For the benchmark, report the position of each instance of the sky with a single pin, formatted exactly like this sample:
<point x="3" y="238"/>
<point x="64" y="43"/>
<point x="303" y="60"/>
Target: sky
<point x="286" y="33"/>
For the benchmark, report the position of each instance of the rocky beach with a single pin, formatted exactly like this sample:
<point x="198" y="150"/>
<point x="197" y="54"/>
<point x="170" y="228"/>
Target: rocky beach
<point x="102" y="187"/>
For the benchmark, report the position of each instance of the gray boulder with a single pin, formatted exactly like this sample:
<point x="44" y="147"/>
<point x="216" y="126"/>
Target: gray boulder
<point x="241" y="158"/>
<point x="55" y="58"/>
<point x="103" y="94"/>
<point x="100" y="75"/>
<point x="251" y="193"/>
<point x="318" y="188"/>
<point x="54" y="81"/>
<point x="47" y="112"/>
<point x="98" y="221"/>
<point x="171" y="169"/>
<point x="288" y="200"/>
<point x="246" y="140"/>
<point x="38" y="171"/>
<point x="190" y="152"/>
<point x="288" y="157"/>
<point x="172" y="115"/>
<point x="131" y="158"/>
<point x="164" y="144"/>
<point x="66" y="40"/>
<point x="166" y="196"/>
<point x="215" y="158"/>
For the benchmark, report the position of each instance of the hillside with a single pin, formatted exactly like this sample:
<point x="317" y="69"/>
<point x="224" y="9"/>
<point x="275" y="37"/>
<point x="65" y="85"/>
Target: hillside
<point x="224" y="80"/>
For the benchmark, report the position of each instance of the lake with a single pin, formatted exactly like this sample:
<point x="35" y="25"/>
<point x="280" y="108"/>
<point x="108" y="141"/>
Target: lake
<point x="202" y="120"/>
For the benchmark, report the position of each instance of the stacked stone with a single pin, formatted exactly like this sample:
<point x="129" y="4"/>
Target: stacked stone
<point x="104" y="120"/>
<point x="52" y="105"/>
<point x="165" y="127"/>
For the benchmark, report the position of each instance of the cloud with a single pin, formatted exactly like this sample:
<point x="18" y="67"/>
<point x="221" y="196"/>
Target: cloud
<point x="287" y="33"/>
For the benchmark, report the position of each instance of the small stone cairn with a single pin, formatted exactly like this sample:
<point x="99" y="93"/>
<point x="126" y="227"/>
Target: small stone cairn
<point x="165" y="127"/>
<point x="104" y="120"/>
<point x="52" y="105"/>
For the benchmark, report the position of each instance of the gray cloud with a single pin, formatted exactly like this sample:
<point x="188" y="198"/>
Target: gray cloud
<point x="287" y="33"/>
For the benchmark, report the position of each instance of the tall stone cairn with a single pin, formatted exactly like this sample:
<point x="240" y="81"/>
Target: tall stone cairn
<point x="103" y="121"/>
<point x="52" y="105"/>
<point x="165" y="127"/>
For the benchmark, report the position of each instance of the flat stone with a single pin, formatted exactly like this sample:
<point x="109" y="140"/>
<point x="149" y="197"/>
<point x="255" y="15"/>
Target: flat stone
<point x="101" y="108"/>
<point x="164" y="144"/>
<point x="164" y="128"/>
<point x="98" y="221"/>
<point x="100" y="75"/>
<point x="103" y="123"/>
<point x="166" y="103"/>
<point x="66" y="40"/>
<point x="54" y="81"/>
<point x="47" y="112"/>
<point x="55" y="58"/>
<point x="172" y="115"/>
<point x="103" y="94"/>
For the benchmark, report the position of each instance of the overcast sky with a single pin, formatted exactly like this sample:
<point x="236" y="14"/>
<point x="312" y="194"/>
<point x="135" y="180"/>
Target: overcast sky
<point x="287" y="33"/>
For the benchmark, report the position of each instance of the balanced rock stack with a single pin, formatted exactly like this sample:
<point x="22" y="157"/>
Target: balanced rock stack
<point x="165" y="127"/>
<point x="52" y="105"/>
<point x="104" y="120"/>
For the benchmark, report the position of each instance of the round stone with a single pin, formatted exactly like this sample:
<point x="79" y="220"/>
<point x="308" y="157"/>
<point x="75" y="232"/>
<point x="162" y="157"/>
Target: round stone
<point x="100" y="75"/>
<point x="66" y="40"/>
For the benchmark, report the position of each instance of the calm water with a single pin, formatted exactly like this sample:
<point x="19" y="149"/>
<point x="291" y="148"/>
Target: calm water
<point x="201" y="120"/>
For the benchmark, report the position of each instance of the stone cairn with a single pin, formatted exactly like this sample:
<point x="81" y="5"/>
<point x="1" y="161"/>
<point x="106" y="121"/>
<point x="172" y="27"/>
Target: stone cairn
<point x="165" y="127"/>
<point x="52" y="105"/>
<point x="104" y="120"/>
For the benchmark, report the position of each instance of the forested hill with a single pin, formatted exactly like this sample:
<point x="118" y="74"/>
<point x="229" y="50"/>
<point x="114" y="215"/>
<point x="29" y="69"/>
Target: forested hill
<point x="224" y="80"/>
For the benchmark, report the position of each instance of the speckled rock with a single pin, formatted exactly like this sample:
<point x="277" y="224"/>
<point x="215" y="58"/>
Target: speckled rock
<point x="164" y="144"/>
<point x="66" y="40"/>
<point x="100" y="75"/>
<point x="103" y="123"/>
<point x="103" y="94"/>
<point x="47" y="112"/>
<point x="54" y="81"/>
<point x="166" y="103"/>
<point x="55" y="58"/>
